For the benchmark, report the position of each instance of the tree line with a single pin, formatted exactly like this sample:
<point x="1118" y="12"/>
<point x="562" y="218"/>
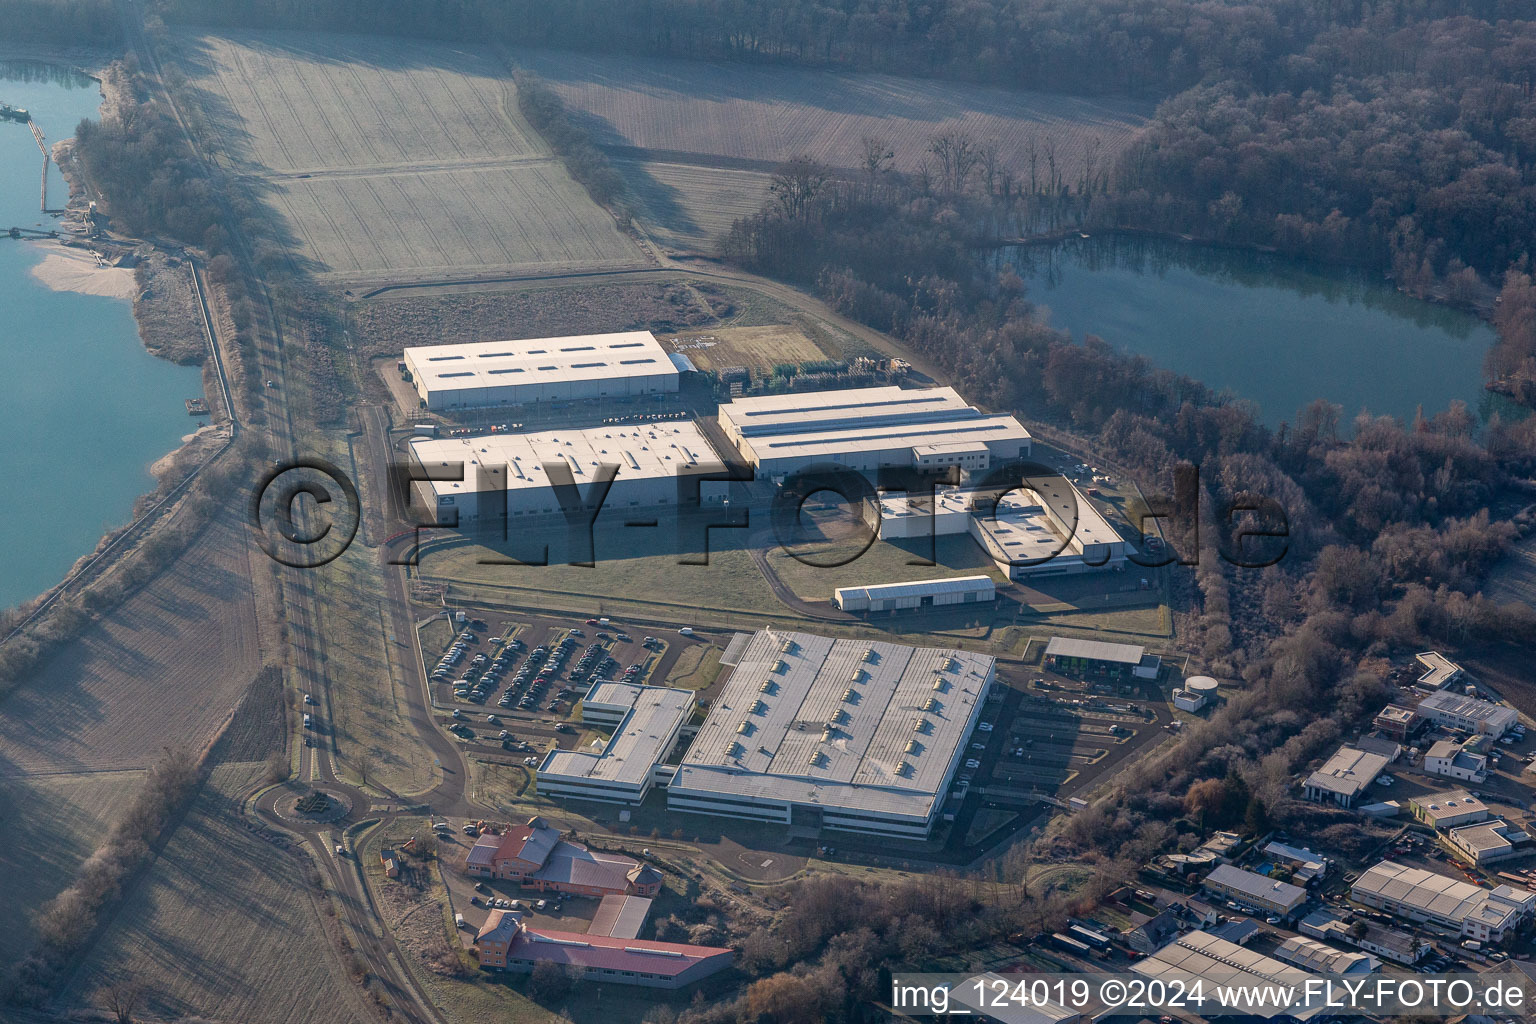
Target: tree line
<point x="1081" y="46"/>
<point x="62" y="22"/>
<point x="65" y="922"/>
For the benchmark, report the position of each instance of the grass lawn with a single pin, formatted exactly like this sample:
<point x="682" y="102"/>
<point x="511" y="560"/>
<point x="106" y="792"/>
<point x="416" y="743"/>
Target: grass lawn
<point x="883" y="562"/>
<point x="368" y="686"/>
<point x="634" y="567"/>
<point x="696" y="668"/>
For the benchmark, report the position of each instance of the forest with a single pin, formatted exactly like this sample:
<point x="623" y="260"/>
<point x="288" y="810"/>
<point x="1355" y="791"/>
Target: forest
<point x="61" y="22"/>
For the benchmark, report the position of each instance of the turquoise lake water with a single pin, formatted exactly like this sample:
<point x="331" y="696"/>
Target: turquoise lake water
<point x="86" y="410"/>
<point x="1278" y="332"/>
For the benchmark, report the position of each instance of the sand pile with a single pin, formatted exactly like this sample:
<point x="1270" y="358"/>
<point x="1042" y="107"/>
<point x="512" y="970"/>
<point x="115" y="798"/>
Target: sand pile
<point x="73" y="270"/>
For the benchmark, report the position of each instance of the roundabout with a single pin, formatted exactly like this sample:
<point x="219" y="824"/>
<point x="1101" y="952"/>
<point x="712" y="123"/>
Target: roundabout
<point x="311" y="806"/>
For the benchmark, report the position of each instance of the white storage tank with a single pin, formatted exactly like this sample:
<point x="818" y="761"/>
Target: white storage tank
<point x="1205" y="686"/>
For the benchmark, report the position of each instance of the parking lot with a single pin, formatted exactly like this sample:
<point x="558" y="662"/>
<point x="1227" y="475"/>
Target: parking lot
<point x="510" y="687"/>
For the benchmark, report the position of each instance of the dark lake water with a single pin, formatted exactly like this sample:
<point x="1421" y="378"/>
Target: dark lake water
<point x="1275" y="331"/>
<point x="86" y="410"/>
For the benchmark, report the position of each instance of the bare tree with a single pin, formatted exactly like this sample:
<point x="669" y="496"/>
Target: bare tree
<point x="957" y="155"/>
<point x="990" y="166"/>
<point x="122" y="999"/>
<point x="796" y="185"/>
<point x="877" y="160"/>
<point x="1033" y="149"/>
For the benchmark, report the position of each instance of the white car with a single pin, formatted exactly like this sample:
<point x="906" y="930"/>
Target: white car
<point x="1384" y="780"/>
<point x="973" y="764"/>
<point x="685" y="631"/>
<point x="985" y="727"/>
<point x="540" y="905"/>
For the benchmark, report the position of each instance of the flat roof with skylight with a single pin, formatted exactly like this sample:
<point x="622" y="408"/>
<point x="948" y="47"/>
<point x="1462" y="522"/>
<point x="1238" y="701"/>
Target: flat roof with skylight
<point x="847" y="734"/>
<point x="531" y="369"/>
<point x="649" y="457"/>
<point x="868" y="428"/>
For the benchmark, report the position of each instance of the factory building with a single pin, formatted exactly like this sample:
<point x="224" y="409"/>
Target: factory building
<point x="1345" y="775"/>
<point x="1254" y="889"/>
<point x="837" y="734"/>
<point x="485" y="374"/>
<point x="1448" y="810"/>
<point x="1099" y="659"/>
<point x="865" y="429"/>
<point x="888" y="597"/>
<point x="1321" y="958"/>
<point x="646" y="723"/>
<point x="1418" y="895"/>
<point x="1198" y="960"/>
<point x="1456" y="711"/>
<point x="1044" y="528"/>
<point x="516" y="475"/>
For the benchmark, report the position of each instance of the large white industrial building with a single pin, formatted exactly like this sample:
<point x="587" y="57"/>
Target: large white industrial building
<point x="1457" y="711"/>
<point x="646" y="723"/>
<point x="1418" y="895"/>
<point x="496" y="373"/>
<point x="837" y="734"/>
<point x="807" y="731"/>
<point x="865" y="429"/>
<point x="1046" y="528"/>
<point x="507" y="473"/>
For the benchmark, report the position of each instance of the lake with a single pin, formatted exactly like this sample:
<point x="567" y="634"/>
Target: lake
<point x="1278" y="332"/>
<point x="86" y="409"/>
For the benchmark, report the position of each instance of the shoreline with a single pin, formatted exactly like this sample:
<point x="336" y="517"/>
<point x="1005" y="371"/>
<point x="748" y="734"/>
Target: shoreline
<point x="71" y="269"/>
<point x="66" y="269"/>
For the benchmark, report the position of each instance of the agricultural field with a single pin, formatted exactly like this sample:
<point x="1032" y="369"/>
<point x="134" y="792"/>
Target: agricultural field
<point x="225" y="926"/>
<point x="690" y="207"/>
<point x="752" y="118"/>
<point x="445" y="223"/>
<point x="757" y="348"/>
<point x="386" y="160"/>
<point x="170" y="662"/>
<point x="54" y="823"/>
<point x="1514" y="578"/>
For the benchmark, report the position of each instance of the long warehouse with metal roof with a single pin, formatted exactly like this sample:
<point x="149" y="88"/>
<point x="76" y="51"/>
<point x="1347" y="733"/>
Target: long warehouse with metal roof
<point x="517" y="474"/>
<point x="865" y="429"/>
<point x="837" y="734"/>
<point x="493" y="373"/>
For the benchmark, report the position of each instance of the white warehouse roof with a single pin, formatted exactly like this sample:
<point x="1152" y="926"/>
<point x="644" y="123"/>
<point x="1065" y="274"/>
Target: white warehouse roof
<point x="864" y="726"/>
<point x="1199" y="956"/>
<point x="1431" y="894"/>
<point x="495" y="364"/>
<point x="1094" y="650"/>
<point x="638" y="740"/>
<point x="920" y="588"/>
<point x="516" y="460"/>
<point x="827" y="425"/>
